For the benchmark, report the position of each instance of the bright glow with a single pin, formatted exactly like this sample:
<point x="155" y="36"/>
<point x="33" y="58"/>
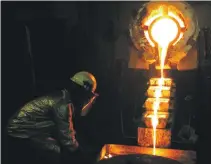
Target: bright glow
<point x="146" y="33"/>
<point x="164" y="31"/>
<point x="179" y="20"/>
<point x="180" y="37"/>
<point x="161" y="81"/>
<point x="108" y="156"/>
<point x="155" y="116"/>
<point x="149" y="21"/>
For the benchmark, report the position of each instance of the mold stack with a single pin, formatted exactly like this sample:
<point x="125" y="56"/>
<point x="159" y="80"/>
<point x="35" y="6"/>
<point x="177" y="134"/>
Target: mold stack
<point x="165" y="114"/>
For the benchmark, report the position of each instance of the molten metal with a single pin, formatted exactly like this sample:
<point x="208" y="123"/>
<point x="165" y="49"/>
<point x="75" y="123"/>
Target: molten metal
<point x="184" y="157"/>
<point x="164" y="81"/>
<point x="161" y="122"/>
<point x="163" y="31"/>
<point x="159" y="92"/>
<point x="164" y="105"/>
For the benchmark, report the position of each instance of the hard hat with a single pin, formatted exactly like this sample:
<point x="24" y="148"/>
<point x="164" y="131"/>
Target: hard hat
<point x="86" y="80"/>
<point x="89" y="83"/>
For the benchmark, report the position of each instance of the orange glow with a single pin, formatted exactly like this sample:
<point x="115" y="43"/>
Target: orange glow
<point x="182" y="156"/>
<point x="163" y="32"/>
<point x="163" y="105"/>
<point x="148" y="38"/>
<point x="161" y="120"/>
<point x="163" y="136"/>
<point x="108" y="156"/>
<point x="164" y="25"/>
<point x="156" y="91"/>
<point x="159" y="81"/>
<point x="179" y="20"/>
<point x="164" y="29"/>
<point x="155" y="117"/>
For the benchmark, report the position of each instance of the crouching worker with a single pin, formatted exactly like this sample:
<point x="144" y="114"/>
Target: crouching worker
<point x="43" y="128"/>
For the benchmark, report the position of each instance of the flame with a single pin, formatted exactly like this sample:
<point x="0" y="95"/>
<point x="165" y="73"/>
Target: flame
<point x="164" y="31"/>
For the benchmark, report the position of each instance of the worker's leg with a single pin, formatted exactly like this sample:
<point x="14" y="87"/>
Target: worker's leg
<point x="48" y="151"/>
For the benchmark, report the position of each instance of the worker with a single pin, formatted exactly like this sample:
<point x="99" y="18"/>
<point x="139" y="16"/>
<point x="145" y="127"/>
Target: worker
<point x="44" y="125"/>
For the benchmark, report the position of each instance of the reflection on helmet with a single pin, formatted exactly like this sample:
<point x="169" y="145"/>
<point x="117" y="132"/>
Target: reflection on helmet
<point x="89" y="83"/>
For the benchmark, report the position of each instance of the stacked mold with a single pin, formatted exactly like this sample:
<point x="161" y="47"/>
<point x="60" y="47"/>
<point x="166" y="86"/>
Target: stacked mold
<point x="165" y="113"/>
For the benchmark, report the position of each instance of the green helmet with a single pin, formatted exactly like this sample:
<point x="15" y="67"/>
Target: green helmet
<point x="88" y="82"/>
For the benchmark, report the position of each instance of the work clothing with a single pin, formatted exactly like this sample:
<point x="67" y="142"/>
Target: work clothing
<point x="45" y="119"/>
<point x="45" y="124"/>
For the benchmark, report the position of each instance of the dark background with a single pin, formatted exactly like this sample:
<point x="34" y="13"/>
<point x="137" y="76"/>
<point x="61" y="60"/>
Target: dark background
<point x="66" y="37"/>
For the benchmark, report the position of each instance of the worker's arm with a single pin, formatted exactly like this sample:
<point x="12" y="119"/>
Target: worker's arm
<point x="66" y="133"/>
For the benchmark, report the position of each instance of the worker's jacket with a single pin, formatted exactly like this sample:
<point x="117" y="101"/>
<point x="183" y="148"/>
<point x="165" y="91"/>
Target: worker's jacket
<point x="47" y="121"/>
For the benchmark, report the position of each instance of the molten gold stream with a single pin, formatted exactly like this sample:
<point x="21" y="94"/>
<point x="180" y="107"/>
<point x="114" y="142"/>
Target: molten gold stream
<point x="162" y="53"/>
<point x="163" y="32"/>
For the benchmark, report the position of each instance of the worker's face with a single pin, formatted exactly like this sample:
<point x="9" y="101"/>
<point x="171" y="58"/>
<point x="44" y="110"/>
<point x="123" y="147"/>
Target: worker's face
<point x="86" y="108"/>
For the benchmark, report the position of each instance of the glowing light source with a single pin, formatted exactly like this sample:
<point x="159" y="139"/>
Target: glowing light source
<point x="163" y="28"/>
<point x="164" y="31"/>
<point x="108" y="156"/>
